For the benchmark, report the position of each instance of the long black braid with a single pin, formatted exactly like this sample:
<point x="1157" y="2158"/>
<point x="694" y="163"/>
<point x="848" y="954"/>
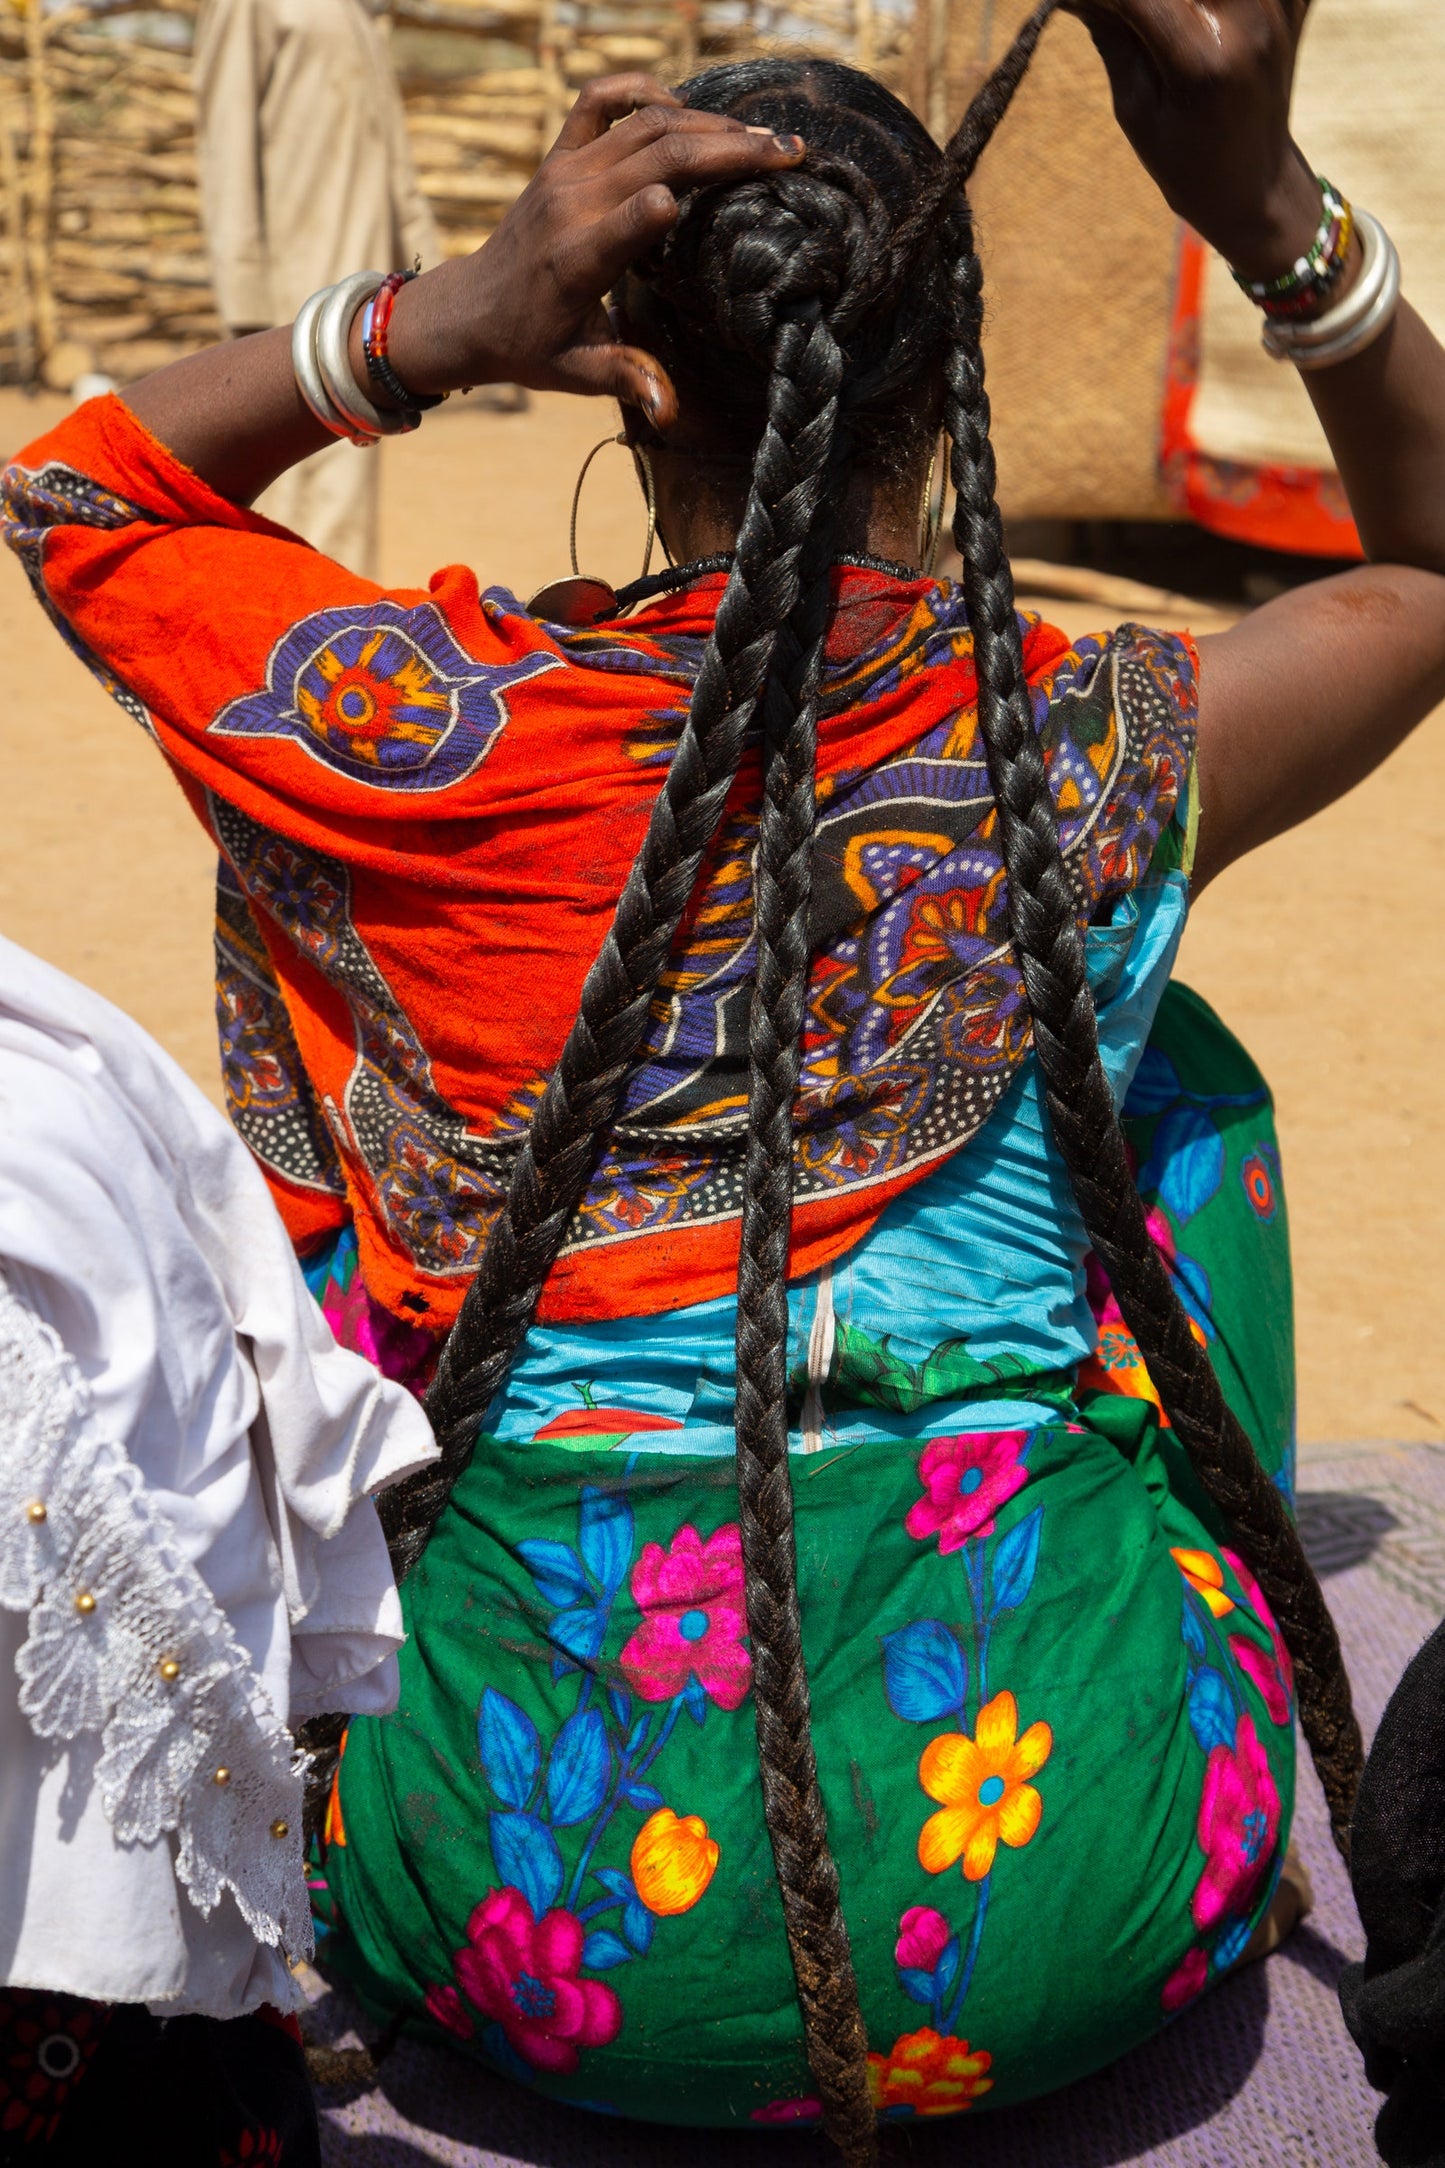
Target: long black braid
<point x="814" y="314"/>
<point x="1043" y="920"/>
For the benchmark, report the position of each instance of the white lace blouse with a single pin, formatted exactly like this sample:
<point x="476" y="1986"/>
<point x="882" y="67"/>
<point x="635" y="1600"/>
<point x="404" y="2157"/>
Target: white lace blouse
<point x="188" y="1562"/>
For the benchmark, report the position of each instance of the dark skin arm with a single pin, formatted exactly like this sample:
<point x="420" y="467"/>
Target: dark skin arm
<point x="1304" y="698"/>
<point x="528" y="308"/>
<point x="1298" y="703"/>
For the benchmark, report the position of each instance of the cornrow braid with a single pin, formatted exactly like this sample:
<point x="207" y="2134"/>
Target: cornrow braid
<point x="1043" y="921"/>
<point x="837" y="2041"/>
<point x="584" y="1091"/>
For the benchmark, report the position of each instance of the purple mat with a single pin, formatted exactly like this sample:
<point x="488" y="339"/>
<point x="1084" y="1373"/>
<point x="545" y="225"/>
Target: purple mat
<point x="1262" y="2070"/>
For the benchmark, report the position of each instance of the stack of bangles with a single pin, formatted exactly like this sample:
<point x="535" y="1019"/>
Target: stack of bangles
<point x="1304" y="323"/>
<point x="320" y="356"/>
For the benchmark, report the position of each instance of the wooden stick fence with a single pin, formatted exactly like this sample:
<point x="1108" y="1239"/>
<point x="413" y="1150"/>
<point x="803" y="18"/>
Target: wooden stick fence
<point x="102" y="257"/>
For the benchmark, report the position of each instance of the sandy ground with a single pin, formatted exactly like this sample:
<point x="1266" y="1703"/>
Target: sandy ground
<point x="1331" y="971"/>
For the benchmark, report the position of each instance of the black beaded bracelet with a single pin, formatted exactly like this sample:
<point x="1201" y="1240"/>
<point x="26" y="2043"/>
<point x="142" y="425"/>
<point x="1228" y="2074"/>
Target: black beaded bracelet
<point x="374" y="326"/>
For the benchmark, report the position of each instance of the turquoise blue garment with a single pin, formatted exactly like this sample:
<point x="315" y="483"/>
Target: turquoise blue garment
<point x="989" y="1251"/>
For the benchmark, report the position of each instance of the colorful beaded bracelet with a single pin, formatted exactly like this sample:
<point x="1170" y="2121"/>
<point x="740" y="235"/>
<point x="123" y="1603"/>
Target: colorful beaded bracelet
<point x="1310" y="280"/>
<point x="374" y="327"/>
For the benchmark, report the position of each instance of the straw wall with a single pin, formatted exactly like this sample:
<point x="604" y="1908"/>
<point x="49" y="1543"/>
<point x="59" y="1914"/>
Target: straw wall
<point x="102" y="259"/>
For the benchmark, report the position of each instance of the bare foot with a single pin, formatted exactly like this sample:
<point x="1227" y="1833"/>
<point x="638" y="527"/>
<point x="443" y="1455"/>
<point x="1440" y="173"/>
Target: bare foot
<point x="1292" y="1902"/>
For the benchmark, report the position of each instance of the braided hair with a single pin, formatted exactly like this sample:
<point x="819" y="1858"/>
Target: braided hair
<point x="832" y="315"/>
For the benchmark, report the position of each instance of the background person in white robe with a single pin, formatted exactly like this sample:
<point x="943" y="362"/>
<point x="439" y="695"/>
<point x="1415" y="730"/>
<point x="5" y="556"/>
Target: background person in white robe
<point x="306" y="173"/>
<point x="190" y="1566"/>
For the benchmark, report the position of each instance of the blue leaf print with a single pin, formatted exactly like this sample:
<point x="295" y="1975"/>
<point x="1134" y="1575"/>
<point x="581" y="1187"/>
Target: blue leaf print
<point x="620" y="1884"/>
<point x="946" y="1970"/>
<point x="1193" y="1630"/>
<point x="637" y="1734"/>
<point x="526" y="1857"/>
<point x="694" y="1698"/>
<point x="638" y="1925"/>
<point x="925" y="1672"/>
<point x="1015" y="1561"/>
<point x="1231" y="1943"/>
<point x="559" y="1573"/>
<point x="577" y="1772"/>
<point x="580" y="1633"/>
<point x="602" y="1950"/>
<point x="1195" y="1292"/>
<point x="606" y="1539"/>
<point x="510" y="1749"/>
<point x="620" y="1705"/>
<point x="1211" y="1709"/>
<point x="1186" y="1162"/>
<point x="646" y="1796"/>
<point x="1156" y="1086"/>
<point x="916" y="1984"/>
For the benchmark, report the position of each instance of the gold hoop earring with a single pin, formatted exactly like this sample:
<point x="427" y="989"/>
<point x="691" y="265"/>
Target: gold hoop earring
<point x="930" y="515"/>
<point x="585" y="599"/>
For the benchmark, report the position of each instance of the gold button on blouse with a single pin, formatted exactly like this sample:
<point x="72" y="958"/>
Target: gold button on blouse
<point x="169" y="1669"/>
<point x="35" y="1511"/>
<point x="280" y="1829"/>
<point x="222" y="1775"/>
<point x="85" y="1603"/>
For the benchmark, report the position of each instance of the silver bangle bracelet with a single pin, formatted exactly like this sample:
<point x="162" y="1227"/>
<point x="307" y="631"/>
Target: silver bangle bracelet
<point x="333" y="335"/>
<point x="1355" y="323"/>
<point x="308" y="375"/>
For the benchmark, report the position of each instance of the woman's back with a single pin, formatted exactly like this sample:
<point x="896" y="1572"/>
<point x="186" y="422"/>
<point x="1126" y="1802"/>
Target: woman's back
<point x="743" y="944"/>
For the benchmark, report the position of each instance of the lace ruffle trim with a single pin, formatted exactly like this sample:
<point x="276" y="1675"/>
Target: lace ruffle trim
<point x="127" y="1643"/>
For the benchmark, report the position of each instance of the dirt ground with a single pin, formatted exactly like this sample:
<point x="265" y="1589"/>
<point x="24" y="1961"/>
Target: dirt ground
<point x="103" y="870"/>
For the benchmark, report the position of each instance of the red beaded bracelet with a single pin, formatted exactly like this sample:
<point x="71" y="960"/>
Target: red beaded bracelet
<point x="374" y="326"/>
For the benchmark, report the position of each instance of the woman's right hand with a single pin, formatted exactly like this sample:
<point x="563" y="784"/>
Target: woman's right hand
<point x="1202" y="90"/>
<point x="529" y="306"/>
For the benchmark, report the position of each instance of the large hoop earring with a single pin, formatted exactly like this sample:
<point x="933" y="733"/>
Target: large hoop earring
<point x="585" y="599"/>
<point x="643" y="465"/>
<point x="930" y="515"/>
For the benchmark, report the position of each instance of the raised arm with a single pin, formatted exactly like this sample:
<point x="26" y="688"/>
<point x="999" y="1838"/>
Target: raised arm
<point x="1309" y="694"/>
<point x="523" y="309"/>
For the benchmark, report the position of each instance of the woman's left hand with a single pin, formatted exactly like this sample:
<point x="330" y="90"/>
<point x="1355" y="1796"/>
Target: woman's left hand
<point x="1202" y="90"/>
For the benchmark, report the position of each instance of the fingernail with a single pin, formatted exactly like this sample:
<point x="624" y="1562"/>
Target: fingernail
<point x="750" y="130"/>
<point x="791" y="146"/>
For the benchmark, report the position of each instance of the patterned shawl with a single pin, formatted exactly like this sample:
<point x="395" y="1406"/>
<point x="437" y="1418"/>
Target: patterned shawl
<point x="426" y="805"/>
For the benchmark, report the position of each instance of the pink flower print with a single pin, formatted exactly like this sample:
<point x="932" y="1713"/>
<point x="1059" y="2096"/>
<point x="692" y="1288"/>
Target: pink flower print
<point x="1258" y="1665"/>
<point x="788" y="2111"/>
<point x="1238" y="1827"/>
<point x="1255" y="1598"/>
<point x="522" y="1971"/>
<point x="447" y="2007"/>
<point x="693" y="1619"/>
<point x="923" y="1936"/>
<point x="965" y="1481"/>
<point x="1186" y="1982"/>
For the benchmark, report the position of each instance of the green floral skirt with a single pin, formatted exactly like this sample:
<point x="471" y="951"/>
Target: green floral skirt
<point x="1051" y="1709"/>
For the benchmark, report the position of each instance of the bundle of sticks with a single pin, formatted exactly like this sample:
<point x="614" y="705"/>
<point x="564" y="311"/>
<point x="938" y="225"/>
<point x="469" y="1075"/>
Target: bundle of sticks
<point x="103" y="262"/>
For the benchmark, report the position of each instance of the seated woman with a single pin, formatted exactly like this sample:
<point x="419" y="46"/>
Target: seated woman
<point x="833" y="1687"/>
<point x="188" y="1562"/>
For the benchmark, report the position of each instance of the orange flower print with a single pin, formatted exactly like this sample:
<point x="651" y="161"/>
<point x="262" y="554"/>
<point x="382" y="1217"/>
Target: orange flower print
<point x="673" y="1862"/>
<point x="929" y="2072"/>
<point x="1205" y="1575"/>
<point x="982" y="1788"/>
<point x="334" y="1831"/>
